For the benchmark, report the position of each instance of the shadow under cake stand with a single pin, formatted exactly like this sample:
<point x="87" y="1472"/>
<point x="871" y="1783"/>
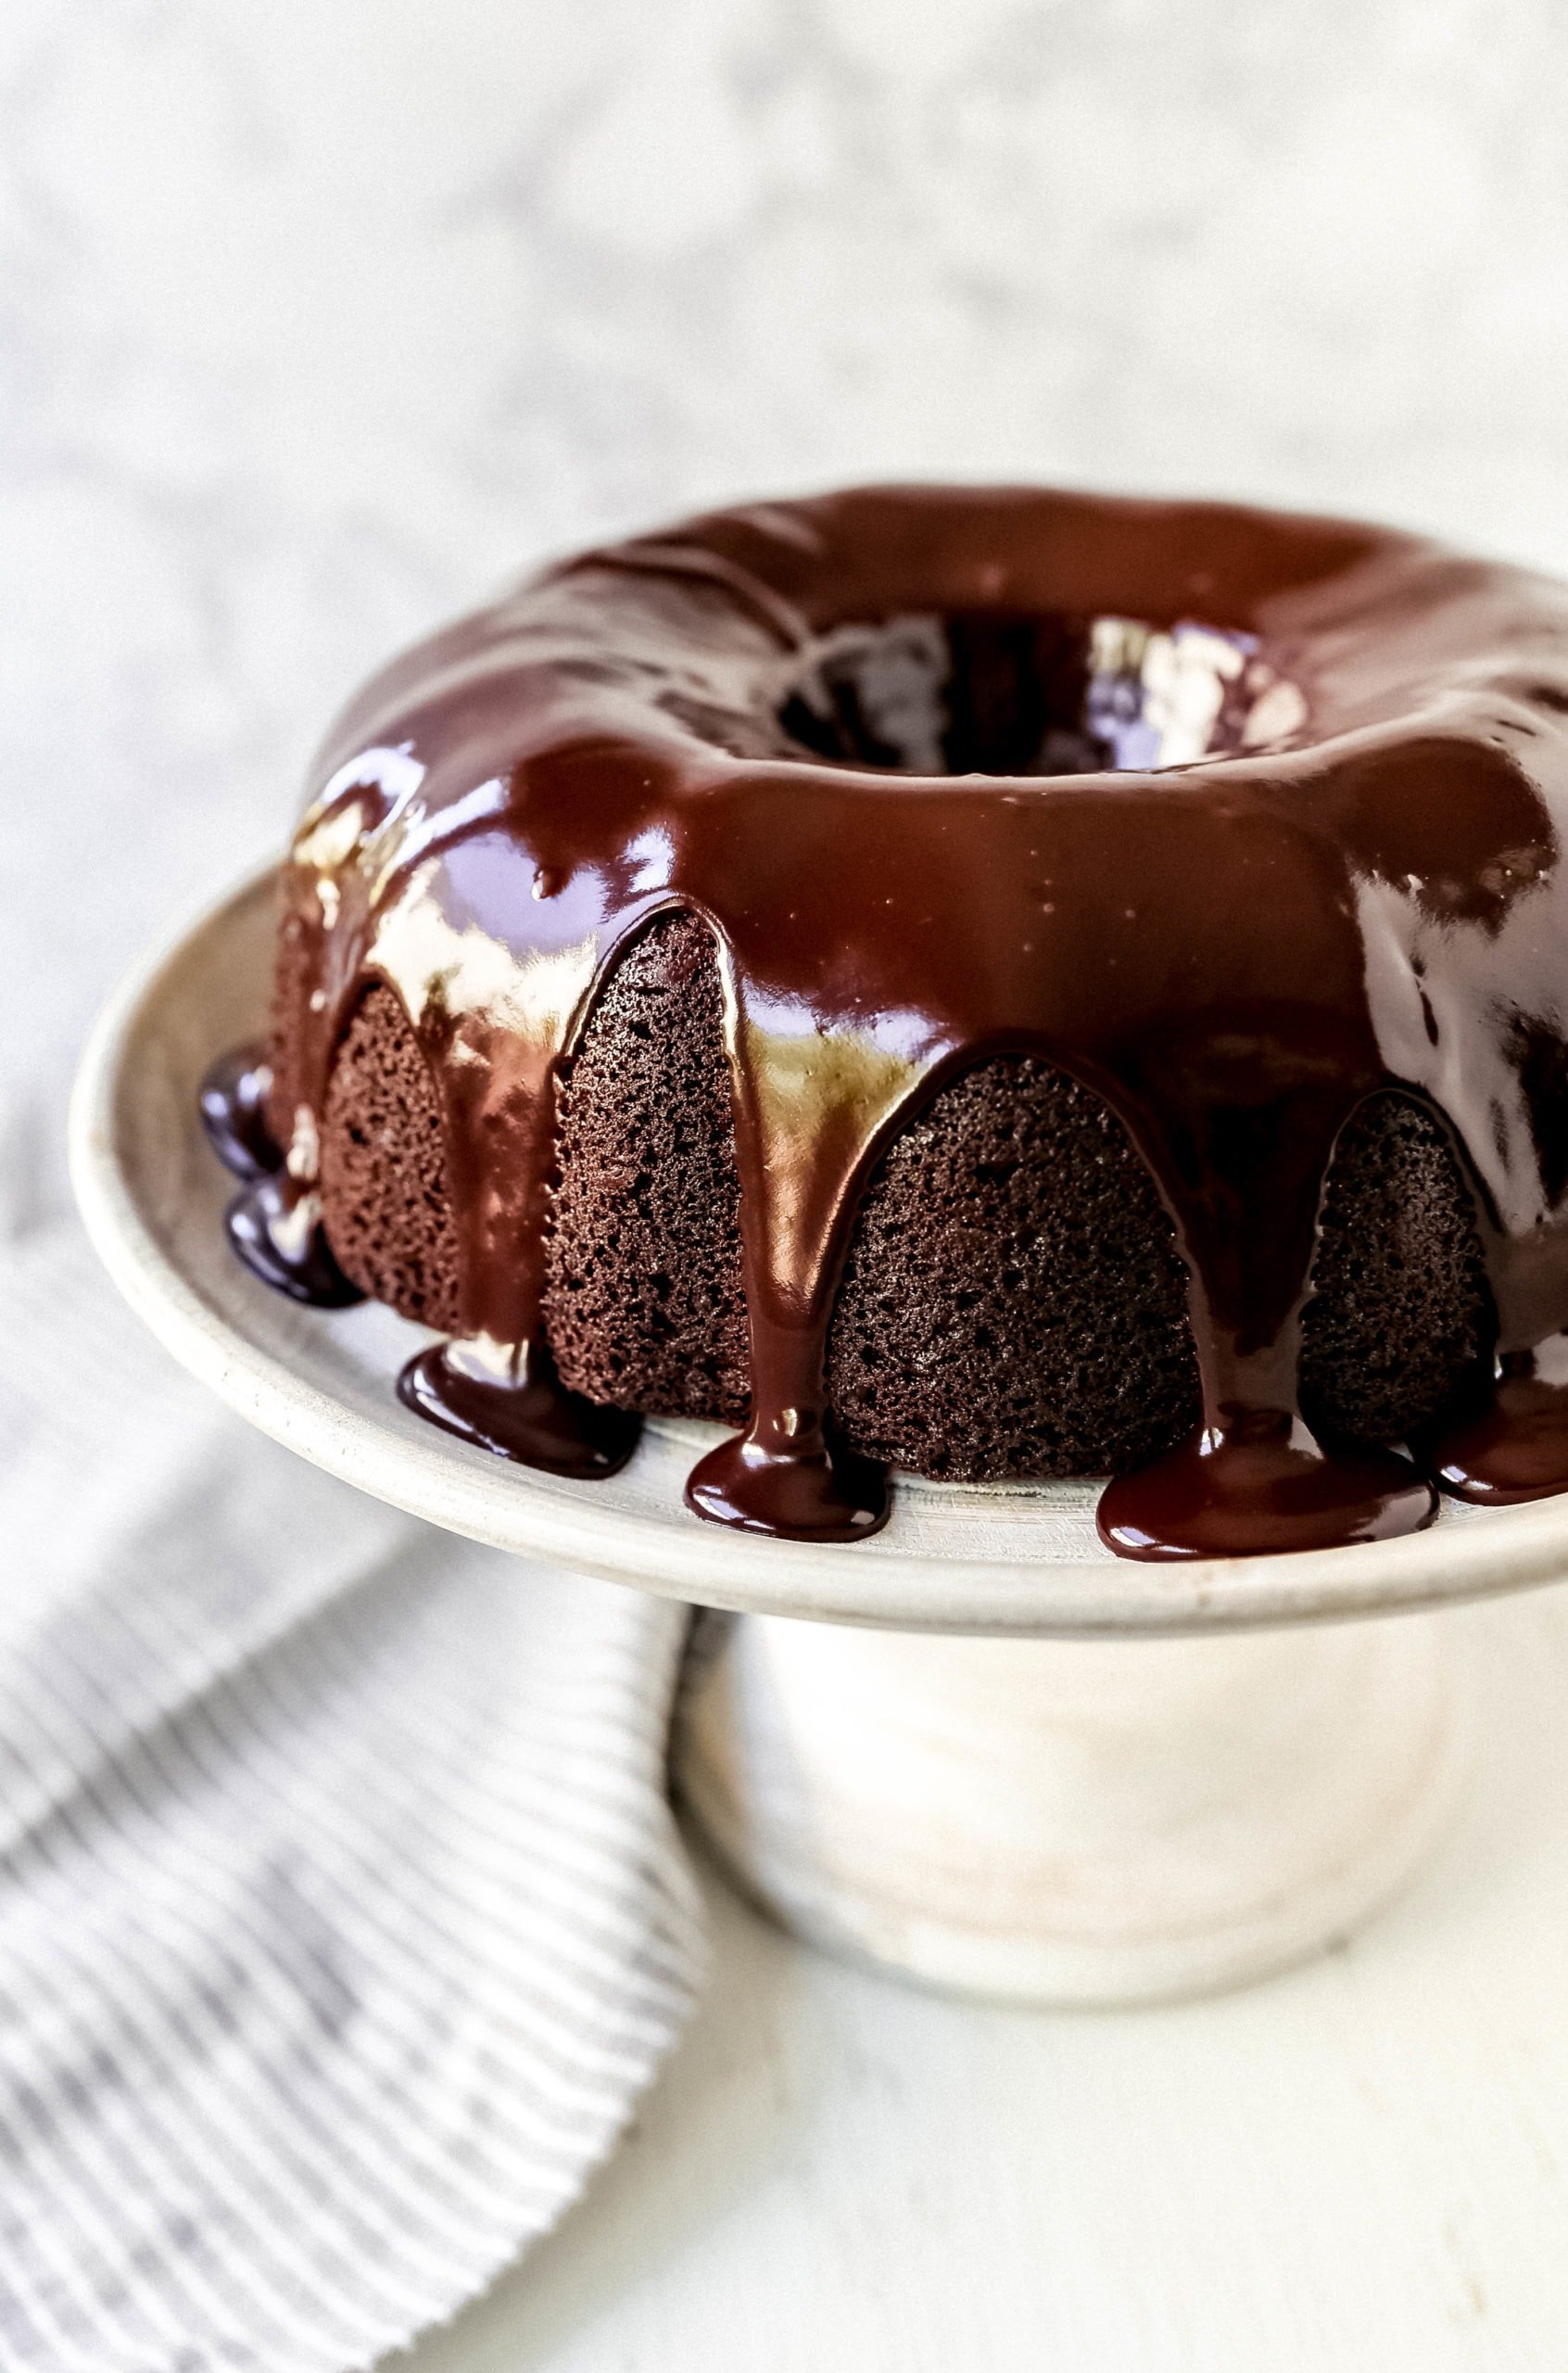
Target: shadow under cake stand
<point x="976" y="1749"/>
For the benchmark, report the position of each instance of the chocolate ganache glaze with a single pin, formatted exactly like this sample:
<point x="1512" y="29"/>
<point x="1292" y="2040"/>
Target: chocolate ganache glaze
<point x="1237" y="819"/>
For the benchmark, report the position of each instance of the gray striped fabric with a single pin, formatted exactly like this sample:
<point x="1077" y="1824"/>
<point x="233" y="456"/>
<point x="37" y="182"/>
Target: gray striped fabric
<point x="341" y="1919"/>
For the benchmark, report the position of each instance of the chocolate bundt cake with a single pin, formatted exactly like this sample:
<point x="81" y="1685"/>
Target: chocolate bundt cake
<point x="998" y="984"/>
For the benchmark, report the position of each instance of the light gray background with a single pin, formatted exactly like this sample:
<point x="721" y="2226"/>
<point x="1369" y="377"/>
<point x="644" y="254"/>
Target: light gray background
<point x="319" y="315"/>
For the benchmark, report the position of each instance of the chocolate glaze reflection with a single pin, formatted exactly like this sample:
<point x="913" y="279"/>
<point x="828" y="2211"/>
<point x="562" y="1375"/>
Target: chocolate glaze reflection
<point x="1259" y="816"/>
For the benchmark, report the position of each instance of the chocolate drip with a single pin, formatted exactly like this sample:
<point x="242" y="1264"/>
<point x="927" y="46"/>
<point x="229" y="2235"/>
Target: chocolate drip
<point x="1264" y="1482"/>
<point x="527" y="1414"/>
<point x="275" y="1225"/>
<point x="233" y="1101"/>
<point x="277" y="1232"/>
<point x="1237" y="819"/>
<point x="805" y="1487"/>
<point x="1511" y="1443"/>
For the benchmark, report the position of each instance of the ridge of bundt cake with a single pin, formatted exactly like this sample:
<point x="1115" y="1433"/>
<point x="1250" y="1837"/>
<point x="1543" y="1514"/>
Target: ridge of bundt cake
<point x="1012" y="1302"/>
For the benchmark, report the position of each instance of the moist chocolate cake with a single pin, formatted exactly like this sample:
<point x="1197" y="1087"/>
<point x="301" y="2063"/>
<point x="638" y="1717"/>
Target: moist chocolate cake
<point x="992" y="982"/>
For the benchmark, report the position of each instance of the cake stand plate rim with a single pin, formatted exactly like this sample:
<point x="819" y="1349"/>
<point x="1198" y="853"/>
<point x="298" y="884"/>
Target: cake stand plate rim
<point x="893" y="1581"/>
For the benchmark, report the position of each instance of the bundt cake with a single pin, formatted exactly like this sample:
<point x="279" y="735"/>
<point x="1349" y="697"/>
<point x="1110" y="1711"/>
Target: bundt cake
<point x="991" y="982"/>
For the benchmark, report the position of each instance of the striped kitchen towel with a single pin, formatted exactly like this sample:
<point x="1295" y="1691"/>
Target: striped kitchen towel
<point x="341" y="1919"/>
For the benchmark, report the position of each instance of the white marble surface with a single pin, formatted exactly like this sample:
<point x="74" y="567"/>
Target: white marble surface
<point x="315" y="319"/>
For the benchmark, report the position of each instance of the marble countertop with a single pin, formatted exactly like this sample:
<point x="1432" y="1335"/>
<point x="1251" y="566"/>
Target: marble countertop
<point x="316" y="319"/>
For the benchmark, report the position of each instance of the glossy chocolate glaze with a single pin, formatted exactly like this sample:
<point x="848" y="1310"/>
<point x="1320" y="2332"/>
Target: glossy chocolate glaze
<point x="1511" y="1443"/>
<point x="274" y="1223"/>
<point x="1237" y="817"/>
<point x="233" y="1102"/>
<point x="522" y="1411"/>
<point x="279" y="1237"/>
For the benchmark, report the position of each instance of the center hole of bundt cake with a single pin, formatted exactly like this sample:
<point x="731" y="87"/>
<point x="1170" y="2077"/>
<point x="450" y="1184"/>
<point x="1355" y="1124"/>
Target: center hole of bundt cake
<point x="1001" y="692"/>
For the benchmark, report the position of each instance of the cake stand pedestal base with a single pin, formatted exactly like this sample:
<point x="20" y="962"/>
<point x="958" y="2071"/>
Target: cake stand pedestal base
<point x="1071" y="1822"/>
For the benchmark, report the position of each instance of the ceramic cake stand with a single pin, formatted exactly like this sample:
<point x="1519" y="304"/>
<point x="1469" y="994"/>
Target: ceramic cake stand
<point x="976" y="1749"/>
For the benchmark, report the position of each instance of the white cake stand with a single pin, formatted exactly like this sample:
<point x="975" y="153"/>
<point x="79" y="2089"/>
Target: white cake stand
<point x="969" y="1749"/>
